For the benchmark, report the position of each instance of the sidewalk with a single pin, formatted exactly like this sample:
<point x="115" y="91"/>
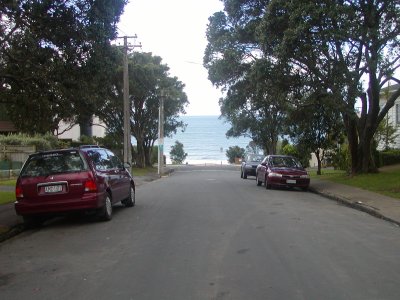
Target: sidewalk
<point x="375" y="204"/>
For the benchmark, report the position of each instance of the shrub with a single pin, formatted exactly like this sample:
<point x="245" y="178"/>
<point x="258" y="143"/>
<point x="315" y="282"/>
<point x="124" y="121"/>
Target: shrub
<point x="234" y="152"/>
<point x="341" y="158"/>
<point x="390" y="157"/>
<point x="41" y="142"/>
<point x="177" y="153"/>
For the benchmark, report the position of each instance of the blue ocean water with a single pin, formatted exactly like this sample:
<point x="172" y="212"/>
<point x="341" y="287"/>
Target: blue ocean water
<point x="204" y="140"/>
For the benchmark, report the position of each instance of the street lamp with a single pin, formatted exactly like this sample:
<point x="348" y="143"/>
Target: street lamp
<point x="161" y="134"/>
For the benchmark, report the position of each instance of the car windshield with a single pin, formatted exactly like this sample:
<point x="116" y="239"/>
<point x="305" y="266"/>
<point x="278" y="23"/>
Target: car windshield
<point x="53" y="163"/>
<point x="285" y="162"/>
<point x="255" y="158"/>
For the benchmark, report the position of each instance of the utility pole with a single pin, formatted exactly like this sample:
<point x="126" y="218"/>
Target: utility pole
<point x="127" y="106"/>
<point x="161" y="135"/>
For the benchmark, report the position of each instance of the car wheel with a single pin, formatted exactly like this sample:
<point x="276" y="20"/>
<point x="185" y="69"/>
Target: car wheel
<point x="244" y="174"/>
<point x="106" y="210"/>
<point x="305" y="189"/>
<point x="258" y="181"/>
<point x="131" y="200"/>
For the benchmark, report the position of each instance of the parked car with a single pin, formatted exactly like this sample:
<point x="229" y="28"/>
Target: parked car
<point x="89" y="178"/>
<point x="282" y="170"/>
<point x="249" y="165"/>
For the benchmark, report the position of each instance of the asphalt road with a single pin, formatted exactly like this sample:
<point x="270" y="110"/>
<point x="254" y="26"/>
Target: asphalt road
<point x="204" y="233"/>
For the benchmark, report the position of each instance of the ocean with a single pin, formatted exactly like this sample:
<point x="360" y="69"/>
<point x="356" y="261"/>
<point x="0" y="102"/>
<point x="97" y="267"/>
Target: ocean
<point x="204" y="140"/>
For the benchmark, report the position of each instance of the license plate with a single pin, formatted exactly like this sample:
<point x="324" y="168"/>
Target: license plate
<point x="291" y="181"/>
<point x="53" y="188"/>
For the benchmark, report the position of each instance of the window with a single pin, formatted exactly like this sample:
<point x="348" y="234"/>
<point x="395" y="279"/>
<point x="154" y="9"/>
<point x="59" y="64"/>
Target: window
<point x="116" y="162"/>
<point x="53" y="163"/>
<point x="100" y="159"/>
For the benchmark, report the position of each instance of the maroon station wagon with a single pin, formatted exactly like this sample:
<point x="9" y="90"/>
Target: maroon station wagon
<point x="282" y="170"/>
<point x="88" y="178"/>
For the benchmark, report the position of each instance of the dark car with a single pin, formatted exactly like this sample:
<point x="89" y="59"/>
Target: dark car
<point x="282" y="170"/>
<point x="249" y="165"/>
<point x="88" y="178"/>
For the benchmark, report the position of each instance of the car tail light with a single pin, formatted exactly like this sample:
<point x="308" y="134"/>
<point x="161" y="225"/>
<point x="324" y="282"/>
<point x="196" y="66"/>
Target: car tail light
<point x="18" y="192"/>
<point x="90" y="186"/>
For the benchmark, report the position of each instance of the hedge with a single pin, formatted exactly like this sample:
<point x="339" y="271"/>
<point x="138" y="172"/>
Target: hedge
<point x="389" y="157"/>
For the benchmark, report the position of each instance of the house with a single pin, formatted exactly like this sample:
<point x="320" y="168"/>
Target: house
<point x="393" y="113"/>
<point x="97" y="129"/>
<point x="66" y="131"/>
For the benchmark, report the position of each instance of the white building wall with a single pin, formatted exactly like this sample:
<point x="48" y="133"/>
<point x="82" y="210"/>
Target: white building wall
<point x="74" y="132"/>
<point x="393" y="114"/>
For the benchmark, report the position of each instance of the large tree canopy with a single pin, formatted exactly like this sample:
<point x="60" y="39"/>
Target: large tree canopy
<point x="54" y="58"/>
<point x="148" y="80"/>
<point x="346" y="49"/>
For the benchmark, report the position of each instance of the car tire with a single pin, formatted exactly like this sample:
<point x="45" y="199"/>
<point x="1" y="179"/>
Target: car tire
<point x="131" y="200"/>
<point x="106" y="210"/>
<point x="258" y="181"/>
<point x="305" y="189"/>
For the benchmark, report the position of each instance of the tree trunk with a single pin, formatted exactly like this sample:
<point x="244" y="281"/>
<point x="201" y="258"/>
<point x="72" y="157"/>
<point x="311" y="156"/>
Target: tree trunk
<point x="140" y="160"/>
<point x="319" y="162"/>
<point x="352" y="137"/>
<point x="85" y="124"/>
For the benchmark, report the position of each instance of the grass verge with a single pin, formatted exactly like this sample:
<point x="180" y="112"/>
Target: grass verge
<point x="10" y="182"/>
<point x="7" y="197"/>
<point x="385" y="182"/>
<point x="143" y="171"/>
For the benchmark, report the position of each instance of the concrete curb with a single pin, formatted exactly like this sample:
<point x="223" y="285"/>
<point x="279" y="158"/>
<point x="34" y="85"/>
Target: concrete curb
<point x="354" y="205"/>
<point x="10" y="232"/>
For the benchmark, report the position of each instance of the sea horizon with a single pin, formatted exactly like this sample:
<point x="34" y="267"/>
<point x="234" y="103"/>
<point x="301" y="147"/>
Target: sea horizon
<point x="204" y="140"/>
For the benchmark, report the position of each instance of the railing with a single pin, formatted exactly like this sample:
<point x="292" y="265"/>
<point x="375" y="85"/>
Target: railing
<point x="9" y="174"/>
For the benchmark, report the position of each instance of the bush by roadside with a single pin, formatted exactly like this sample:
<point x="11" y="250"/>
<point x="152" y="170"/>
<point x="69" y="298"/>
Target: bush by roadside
<point x="389" y="157"/>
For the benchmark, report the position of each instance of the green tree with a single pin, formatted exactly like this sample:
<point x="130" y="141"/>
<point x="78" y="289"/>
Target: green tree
<point x="385" y="134"/>
<point x="316" y="125"/>
<point x="54" y="59"/>
<point x="255" y="101"/>
<point x="234" y="152"/>
<point x="148" y="78"/>
<point x="341" y="45"/>
<point x="336" y="44"/>
<point x="177" y="153"/>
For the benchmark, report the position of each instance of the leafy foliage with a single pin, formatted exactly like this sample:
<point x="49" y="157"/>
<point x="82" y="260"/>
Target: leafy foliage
<point x="234" y="152"/>
<point x="270" y="56"/>
<point x="177" y="153"/>
<point x="54" y="59"/>
<point x="41" y="142"/>
<point x="148" y="78"/>
<point x="385" y="134"/>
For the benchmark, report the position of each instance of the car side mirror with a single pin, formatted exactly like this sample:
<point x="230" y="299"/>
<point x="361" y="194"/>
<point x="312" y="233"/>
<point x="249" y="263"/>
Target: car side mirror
<point x="264" y="164"/>
<point x="127" y="165"/>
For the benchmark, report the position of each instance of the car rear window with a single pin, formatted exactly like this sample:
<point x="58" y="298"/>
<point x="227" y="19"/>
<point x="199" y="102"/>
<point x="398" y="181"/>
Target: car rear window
<point x="44" y="164"/>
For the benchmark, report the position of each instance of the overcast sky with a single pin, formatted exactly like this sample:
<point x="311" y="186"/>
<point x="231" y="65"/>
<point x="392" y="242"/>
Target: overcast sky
<point x="175" y="30"/>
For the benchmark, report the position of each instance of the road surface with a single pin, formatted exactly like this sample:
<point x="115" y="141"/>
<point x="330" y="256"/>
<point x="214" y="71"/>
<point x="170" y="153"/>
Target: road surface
<point x="204" y="233"/>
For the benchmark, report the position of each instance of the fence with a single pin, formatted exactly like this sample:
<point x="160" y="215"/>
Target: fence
<point x="9" y="174"/>
<point x="11" y="159"/>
